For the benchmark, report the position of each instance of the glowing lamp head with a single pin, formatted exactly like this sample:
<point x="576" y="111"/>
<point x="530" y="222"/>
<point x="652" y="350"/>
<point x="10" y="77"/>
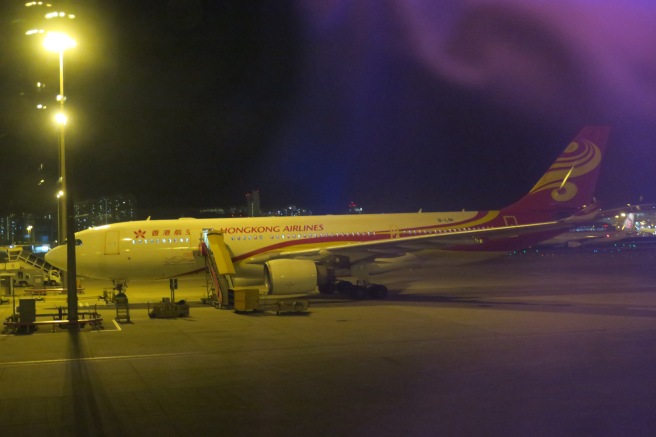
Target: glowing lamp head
<point x="60" y="118"/>
<point x="58" y="42"/>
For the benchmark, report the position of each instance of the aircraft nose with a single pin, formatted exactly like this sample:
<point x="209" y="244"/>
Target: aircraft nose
<point x="57" y="257"/>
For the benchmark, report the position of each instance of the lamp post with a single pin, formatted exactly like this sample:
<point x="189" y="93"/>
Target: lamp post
<point x="60" y="42"/>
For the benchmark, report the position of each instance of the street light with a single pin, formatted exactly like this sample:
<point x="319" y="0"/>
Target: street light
<point x="59" y="42"/>
<point x="61" y="119"/>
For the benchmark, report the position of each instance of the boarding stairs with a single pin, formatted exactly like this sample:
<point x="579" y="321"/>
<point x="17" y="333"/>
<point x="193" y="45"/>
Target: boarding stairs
<point x="16" y="256"/>
<point x="219" y="268"/>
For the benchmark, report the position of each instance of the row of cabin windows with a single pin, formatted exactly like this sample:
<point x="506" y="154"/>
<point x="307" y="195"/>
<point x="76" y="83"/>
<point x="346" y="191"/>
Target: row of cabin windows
<point x="293" y="236"/>
<point x="298" y="236"/>
<point x="349" y="234"/>
<point x="442" y="231"/>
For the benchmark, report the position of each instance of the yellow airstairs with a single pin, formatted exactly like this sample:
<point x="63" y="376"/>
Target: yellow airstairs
<point x="220" y="269"/>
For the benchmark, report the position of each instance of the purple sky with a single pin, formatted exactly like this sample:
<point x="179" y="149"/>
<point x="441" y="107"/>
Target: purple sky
<point x="388" y="79"/>
<point x="395" y="104"/>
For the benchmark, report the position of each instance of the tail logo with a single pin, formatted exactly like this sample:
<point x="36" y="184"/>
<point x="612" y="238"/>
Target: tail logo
<point x="578" y="159"/>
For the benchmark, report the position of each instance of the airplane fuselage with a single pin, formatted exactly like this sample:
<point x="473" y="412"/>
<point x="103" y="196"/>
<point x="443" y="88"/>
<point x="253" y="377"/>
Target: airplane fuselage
<point x="155" y="249"/>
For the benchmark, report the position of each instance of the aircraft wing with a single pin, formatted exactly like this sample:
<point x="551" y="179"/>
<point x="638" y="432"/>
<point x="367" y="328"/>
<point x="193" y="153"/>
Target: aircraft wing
<point x="500" y="238"/>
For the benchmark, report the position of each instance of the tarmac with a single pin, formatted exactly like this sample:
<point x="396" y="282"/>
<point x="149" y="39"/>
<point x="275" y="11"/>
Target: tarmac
<point x="541" y="344"/>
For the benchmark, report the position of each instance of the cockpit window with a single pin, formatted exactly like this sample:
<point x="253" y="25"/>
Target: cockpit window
<point x="78" y="242"/>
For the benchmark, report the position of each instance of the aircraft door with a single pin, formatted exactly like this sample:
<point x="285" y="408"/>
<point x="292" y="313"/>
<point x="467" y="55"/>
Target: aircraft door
<point x="111" y="243"/>
<point x="510" y="220"/>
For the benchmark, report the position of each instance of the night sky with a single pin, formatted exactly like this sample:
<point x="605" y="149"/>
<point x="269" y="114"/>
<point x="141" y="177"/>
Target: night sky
<point x="397" y="105"/>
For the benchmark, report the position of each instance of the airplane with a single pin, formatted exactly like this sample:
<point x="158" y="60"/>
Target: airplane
<point x="610" y="226"/>
<point x="586" y="234"/>
<point x="297" y="255"/>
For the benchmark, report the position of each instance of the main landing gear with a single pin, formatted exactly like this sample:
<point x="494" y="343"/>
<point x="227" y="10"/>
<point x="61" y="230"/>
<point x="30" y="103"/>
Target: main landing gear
<point x="120" y="285"/>
<point x="358" y="291"/>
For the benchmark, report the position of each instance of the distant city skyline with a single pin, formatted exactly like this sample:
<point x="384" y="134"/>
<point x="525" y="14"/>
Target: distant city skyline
<point x="120" y="208"/>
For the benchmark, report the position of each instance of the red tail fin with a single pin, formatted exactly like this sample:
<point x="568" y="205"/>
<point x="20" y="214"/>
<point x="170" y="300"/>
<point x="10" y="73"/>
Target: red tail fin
<point x="569" y="183"/>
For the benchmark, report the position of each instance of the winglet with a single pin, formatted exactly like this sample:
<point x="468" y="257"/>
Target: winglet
<point x="570" y="182"/>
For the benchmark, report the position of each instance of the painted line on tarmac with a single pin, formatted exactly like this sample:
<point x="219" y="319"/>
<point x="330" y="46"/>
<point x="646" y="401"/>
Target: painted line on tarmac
<point x="119" y="357"/>
<point x="116" y="325"/>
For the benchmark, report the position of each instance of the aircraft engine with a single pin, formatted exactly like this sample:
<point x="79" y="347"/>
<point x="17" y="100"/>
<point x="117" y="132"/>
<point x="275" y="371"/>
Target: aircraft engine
<point x="293" y="276"/>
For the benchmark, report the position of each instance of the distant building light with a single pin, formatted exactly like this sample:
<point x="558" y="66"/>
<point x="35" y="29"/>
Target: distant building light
<point x="41" y="249"/>
<point x="353" y="208"/>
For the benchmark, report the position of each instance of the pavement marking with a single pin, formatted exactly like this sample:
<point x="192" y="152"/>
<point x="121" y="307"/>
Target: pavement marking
<point x="118" y="327"/>
<point x="108" y="358"/>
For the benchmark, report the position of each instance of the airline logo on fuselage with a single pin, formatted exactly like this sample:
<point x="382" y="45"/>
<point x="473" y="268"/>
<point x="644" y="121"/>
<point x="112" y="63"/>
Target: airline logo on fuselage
<point x="162" y="233"/>
<point x="271" y="229"/>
